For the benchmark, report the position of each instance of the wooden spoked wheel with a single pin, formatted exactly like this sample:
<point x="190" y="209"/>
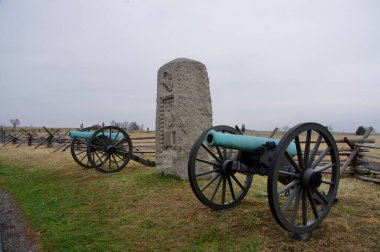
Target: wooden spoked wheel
<point x="211" y="179"/>
<point x="109" y="149"/>
<point x="300" y="190"/>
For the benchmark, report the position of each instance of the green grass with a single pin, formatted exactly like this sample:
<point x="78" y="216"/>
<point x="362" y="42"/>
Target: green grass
<point x="72" y="209"/>
<point x="73" y="212"/>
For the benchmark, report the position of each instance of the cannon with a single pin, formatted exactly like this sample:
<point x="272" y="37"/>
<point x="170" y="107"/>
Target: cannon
<point x="302" y="170"/>
<point x="108" y="149"/>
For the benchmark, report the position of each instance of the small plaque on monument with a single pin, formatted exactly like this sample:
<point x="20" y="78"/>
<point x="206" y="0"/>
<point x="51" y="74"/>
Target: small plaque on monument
<point x="183" y="113"/>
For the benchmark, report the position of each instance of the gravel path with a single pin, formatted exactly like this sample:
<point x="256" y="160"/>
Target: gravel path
<point x="14" y="234"/>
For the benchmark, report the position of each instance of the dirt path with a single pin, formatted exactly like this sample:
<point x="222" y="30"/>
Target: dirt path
<point x="14" y="234"/>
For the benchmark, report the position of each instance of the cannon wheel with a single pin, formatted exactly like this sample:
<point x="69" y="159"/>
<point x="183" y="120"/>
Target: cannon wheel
<point x="79" y="152"/>
<point x="109" y="149"/>
<point x="300" y="191"/>
<point x="214" y="185"/>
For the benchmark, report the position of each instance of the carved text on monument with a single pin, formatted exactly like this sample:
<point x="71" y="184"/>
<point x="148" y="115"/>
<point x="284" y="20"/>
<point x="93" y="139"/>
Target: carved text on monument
<point x="168" y="119"/>
<point x="166" y="81"/>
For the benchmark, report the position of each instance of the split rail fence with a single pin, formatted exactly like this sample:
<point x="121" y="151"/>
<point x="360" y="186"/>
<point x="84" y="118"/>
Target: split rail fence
<point x="359" y="156"/>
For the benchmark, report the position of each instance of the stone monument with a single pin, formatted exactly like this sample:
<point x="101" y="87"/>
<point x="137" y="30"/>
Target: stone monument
<point x="183" y="112"/>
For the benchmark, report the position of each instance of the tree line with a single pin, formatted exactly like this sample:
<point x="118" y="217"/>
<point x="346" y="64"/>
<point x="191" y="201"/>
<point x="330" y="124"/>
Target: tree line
<point x="128" y="125"/>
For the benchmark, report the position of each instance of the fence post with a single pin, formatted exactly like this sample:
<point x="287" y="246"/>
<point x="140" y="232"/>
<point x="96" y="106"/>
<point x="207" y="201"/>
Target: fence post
<point x="355" y="151"/>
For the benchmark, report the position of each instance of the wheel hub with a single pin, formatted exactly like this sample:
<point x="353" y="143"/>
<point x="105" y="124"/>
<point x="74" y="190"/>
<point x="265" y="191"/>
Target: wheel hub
<point x="110" y="149"/>
<point x="226" y="166"/>
<point x="311" y="178"/>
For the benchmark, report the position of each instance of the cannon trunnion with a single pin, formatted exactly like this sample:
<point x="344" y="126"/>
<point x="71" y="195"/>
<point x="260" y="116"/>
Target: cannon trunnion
<point x="222" y="164"/>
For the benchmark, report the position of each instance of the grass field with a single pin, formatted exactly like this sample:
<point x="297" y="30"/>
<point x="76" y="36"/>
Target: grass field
<point x="72" y="209"/>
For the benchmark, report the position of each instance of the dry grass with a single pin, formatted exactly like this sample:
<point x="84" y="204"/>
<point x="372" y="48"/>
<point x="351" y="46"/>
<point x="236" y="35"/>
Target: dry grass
<point x="140" y="210"/>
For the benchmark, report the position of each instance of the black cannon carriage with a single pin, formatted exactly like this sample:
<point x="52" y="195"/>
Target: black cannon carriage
<point x="302" y="169"/>
<point x="108" y="149"/>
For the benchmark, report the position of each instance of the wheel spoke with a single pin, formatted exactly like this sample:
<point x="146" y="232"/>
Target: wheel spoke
<point x="105" y="161"/>
<point x="119" y="142"/>
<point x="210" y="152"/>
<point x="304" y="207"/>
<point x="321" y="157"/>
<point x="117" y="134"/>
<point x="290" y="198"/>
<point x="99" y="158"/>
<point x="307" y="149"/>
<point x="324" y="168"/>
<point x="224" y="191"/>
<point x="314" y="151"/>
<point x="216" y="188"/>
<point x="80" y="147"/>
<point x="207" y="162"/>
<point x="122" y="157"/>
<point x="231" y="188"/>
<point x="237" y="182"/>
<point x="290" y="174"/>
<point x="208" y="172"/>
<point x="292" y="162"/>
<point x="219" y="153"/>
<point x="114" y="159"/>
<point x="319" y="194"/>
<point x="312" y="203"/>
<point x="83" y="158"/>
<point x="288" y="186"/>
<point x="100" y="140"/>
<point x="210" y="182"/>
<point x="121" y="152"/>
<point x="78" y="153"/>
<point x="328" y="182"/>
<point x="295" y="207"/>
<point x="299" y="153"/>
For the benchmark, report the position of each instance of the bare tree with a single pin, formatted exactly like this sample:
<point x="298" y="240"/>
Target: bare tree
<point x="133" y="126"/>
<point x="125" y="124"/>
<point x="285" y="128"/>
<point x="14" y="122"/>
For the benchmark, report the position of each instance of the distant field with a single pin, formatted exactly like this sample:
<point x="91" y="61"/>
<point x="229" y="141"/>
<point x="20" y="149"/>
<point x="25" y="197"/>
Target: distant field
<point x="74" y="209"/>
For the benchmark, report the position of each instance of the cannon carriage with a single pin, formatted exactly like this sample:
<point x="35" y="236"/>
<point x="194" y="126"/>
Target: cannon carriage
<point x="108" y="149"/>
<point x="222" y="164"/>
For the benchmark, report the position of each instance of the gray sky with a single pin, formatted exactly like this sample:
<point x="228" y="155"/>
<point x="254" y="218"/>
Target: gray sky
<point x="270" y="63"/>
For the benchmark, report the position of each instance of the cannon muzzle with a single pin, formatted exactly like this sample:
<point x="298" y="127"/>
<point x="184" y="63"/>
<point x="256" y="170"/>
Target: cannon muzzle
<point x="242" y="142"/>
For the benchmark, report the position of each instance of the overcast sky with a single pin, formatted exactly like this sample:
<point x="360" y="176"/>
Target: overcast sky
<point x="270" y="63"/>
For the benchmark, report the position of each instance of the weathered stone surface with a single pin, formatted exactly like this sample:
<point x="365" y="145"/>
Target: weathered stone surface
<point x="183" y="113"/>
